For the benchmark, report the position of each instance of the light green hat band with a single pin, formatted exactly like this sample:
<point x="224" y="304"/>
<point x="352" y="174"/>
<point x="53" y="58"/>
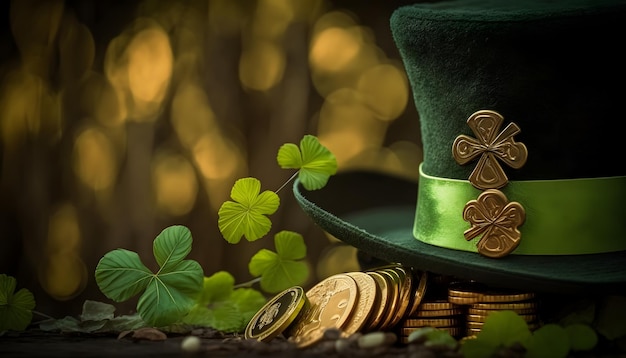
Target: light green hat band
<point x="563" y="217"/>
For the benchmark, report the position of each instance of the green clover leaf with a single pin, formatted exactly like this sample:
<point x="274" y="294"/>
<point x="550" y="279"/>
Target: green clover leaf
<point x="280" y="270"/>
<point x="314" y="161"/>
<point x="581" y="337"/>
<point x="550" y="340"/>
<point x="16" y="308"/>
<point x="223" y="307"/>
<point x="505" y="328"/>
<point x="245" y="216"/>
<point x="501" y="329"/>
<point x="170" y="293"/>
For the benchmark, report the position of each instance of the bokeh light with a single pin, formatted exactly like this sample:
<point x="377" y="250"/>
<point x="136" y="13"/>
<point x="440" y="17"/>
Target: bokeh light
<point x="175" y="184"/>
<point x="149" y="69"/>
<point x="94" y="159"/>
<point x="118" y="119"/>
<point x="262" y="65"/>
<point x="63" y="274"/>
<point x="28" y="109"/>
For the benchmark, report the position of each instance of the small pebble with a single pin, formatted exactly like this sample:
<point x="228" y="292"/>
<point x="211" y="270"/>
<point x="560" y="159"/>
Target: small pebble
<point x="354" y="338"/>
<point x="331" y="334"/>
<point x="419" y="335"/>
<point x="422" y="352"/>
<point x="191" y="344"/>
<point x="372" y="340"/>
<point x="342" y="345"/>
<point x="325" y="347"/>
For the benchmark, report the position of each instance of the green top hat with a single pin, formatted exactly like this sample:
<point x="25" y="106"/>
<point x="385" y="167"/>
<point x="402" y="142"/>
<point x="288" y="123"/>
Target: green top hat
<point x="524" y="176"/>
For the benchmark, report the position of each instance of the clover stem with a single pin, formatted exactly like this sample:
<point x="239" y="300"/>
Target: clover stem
<point x="288" y="180"/>
<point x="42" y="314"/>
<point x="249" y="283"/>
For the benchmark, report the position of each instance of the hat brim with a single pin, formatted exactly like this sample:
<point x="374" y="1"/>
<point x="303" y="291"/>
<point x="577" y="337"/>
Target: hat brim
<point x="375" y="213"/>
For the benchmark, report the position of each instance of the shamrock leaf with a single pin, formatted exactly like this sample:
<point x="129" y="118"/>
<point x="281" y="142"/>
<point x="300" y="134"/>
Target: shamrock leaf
<point x="501" y="329"/>
<point x="245" y="216"/>
<point x="223" y="307"/>
<point x="551" y="340"/>
<point x="279" y="270"/>
<point x="504" y="328"/>
<point x="16" y="308"/>
<point x="315" y="162"/>
<point x="170" y="293"/>
<point x="581" y="337"/>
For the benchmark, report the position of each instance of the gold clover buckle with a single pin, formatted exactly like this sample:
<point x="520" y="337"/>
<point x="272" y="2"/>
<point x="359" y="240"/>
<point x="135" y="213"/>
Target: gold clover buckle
<point x="490" y="145"/>
<point x="493" y="217"/>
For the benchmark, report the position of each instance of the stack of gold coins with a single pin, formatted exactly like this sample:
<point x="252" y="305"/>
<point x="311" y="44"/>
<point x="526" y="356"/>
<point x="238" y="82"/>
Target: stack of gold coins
<point x="387" y="298"/>
<point x="481" y="301"/>
<point x="399" y="291"/>
<point x="439" y="314"/>
<point x="352" y="302"/>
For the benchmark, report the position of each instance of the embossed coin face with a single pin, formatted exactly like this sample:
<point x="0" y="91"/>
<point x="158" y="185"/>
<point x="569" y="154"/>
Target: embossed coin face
<point x="331" y="303"/>
<point x="364" y="305"/>
<point x="277" y="314"/>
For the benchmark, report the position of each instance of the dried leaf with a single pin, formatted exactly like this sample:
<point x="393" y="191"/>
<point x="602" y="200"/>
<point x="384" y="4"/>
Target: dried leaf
<point x="149" y="334"/>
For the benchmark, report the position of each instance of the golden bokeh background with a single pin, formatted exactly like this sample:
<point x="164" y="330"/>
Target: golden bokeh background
<point x="120" y="118"/>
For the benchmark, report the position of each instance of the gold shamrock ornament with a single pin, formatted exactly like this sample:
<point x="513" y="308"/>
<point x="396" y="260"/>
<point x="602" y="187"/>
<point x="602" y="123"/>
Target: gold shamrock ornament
<point x="490" y="144"/>
<point x="496" y="219"/>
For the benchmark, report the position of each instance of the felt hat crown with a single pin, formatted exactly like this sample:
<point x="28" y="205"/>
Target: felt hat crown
<point x="524" y="178"/>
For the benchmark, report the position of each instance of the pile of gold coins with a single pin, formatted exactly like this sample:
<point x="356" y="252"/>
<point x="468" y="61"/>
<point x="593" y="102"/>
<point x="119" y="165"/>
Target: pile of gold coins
<point x="480" y="301"/>
<point x="389" y="298"/>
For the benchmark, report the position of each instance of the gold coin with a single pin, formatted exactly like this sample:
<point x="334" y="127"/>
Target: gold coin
<point x="506" y="297"/>
<point x="476" y="318"/>
<point x="437" y="313"/>
<point x="505" y="306"/>
<point x="394" y="299"/>
<point x="277" y="314"/>
<point x="331" y="303"/>
<point x="479" y="325"/>
<point x="384" y="267"/>
<point x="365" y="303"/>
<point x="485" y="312"/>
<point x="419" y="292"/>
<point x="430" y="322"/>
<point x="380" y="308"/>
<point x="405" y="287"/>
<point x="463" y="300"/>
<point x="482" y="318"/>
<point x="466" y="289"/>
<point x="436" y="305"/>
<point x="472" y="324"/>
